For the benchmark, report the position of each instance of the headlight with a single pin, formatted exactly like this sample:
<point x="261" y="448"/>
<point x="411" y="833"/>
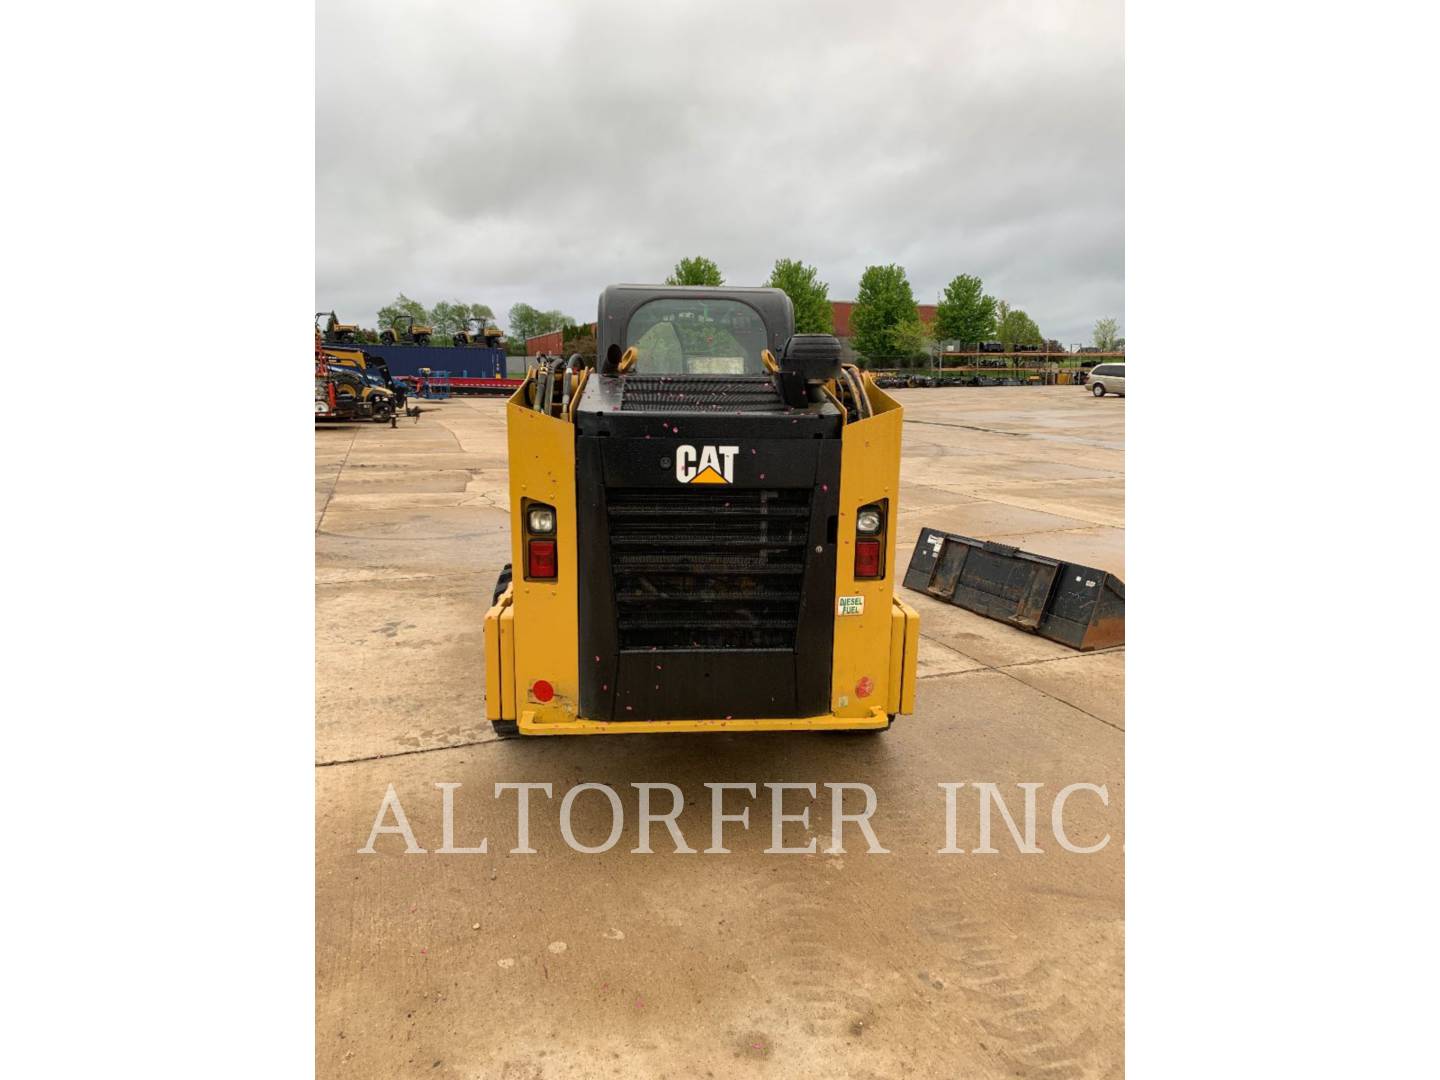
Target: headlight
<point x="868" y="520"/>
<point x="542" y="520"/>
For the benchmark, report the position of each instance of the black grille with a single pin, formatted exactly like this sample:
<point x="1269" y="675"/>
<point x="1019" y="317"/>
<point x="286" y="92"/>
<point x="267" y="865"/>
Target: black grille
<point x="699" y="394"/>
<point x="708" y="569"/>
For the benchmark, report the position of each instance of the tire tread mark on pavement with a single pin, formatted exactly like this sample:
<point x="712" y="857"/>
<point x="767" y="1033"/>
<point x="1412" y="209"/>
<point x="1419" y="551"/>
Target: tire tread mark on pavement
<point x="806" y="967"/>
<point x="1011" y="998"/>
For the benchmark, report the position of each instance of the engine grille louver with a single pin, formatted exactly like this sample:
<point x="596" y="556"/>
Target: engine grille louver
<point x="699" y="394"/>
<point x="708" y="569"/>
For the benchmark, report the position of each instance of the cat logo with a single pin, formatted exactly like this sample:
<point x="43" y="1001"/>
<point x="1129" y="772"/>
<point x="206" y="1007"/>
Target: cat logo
<point x="705" y="465"/>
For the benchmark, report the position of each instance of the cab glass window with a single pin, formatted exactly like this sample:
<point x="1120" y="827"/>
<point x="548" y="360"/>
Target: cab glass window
<point x="697" y="337"/>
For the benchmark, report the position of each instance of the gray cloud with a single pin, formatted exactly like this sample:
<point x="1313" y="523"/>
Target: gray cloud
<point x="539" y="151"/>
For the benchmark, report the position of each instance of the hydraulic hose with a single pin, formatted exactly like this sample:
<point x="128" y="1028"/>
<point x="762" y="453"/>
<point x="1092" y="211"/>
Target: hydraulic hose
<point x="855" y="384"/>
<point x="542" y="385"/>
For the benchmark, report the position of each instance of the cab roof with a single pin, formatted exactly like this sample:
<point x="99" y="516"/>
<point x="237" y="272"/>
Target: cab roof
<point x="619" y="302"/>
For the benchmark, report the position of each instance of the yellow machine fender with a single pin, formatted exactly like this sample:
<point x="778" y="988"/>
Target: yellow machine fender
<point x="544" y="638"/>
<point x="866" y="632"/>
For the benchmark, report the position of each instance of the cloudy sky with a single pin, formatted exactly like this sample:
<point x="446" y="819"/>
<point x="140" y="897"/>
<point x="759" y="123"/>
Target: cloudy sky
<point x="537" y="151"/>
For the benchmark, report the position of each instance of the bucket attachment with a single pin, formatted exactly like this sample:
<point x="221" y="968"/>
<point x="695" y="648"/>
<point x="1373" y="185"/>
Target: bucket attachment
<point x="1078" y="606"/>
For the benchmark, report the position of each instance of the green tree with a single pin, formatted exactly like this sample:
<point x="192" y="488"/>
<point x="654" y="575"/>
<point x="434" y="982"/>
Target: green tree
<point x="1107" y="334"/>
<point x="527" y="322"/>
<point x="910" y="342"/>
<point x="450" y="318"/>
<point x="696" y="271"/>
<point x="811" y="296"/>
<point x="446" y="319"/>
<point x="965" y="314"/>
<point x="524" y="322"/>
<point x="555" y="320"/>
<point x="884" y="302"/>
<point x="1013" y="327"/>
<point x="399" y="308"/>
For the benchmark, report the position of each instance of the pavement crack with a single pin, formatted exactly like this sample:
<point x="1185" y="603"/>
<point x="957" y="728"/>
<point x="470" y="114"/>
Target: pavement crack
<point x="407" y="753"/>
<point x="1091" y="524"/>
<point x="1003" y="670"/>
<point x="953" y="674"/>
<point x="952" y="648"/>
<point x="385" y="579"/>
<point x="1054" y="659"/>
<point x="1087" y="523"/>
<point x="1071" y="440"/>
<point x="393" y="539"/>
<point x="336" y="482"/>
<point x="1062" y="701"/>
<point x="972" y="427"/>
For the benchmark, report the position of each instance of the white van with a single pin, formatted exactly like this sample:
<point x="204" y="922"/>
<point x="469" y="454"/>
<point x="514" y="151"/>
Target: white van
<point x="1107" y="377"/>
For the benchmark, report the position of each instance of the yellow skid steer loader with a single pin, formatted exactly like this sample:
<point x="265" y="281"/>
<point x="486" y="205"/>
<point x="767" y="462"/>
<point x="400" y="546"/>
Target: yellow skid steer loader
<point x="703" y="532"/>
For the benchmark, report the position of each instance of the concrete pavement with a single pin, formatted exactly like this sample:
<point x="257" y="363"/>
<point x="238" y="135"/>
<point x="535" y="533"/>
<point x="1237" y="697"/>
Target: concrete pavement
<point x="853" y="965"/>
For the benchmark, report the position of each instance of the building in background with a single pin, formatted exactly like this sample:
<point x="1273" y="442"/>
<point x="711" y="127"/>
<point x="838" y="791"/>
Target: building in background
<point x="551" y="344"/>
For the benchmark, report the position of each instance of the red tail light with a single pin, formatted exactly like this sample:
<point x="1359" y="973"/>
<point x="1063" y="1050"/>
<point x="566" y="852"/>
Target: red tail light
<point x="867" y="558"/>
<point x="541" y="559"/>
